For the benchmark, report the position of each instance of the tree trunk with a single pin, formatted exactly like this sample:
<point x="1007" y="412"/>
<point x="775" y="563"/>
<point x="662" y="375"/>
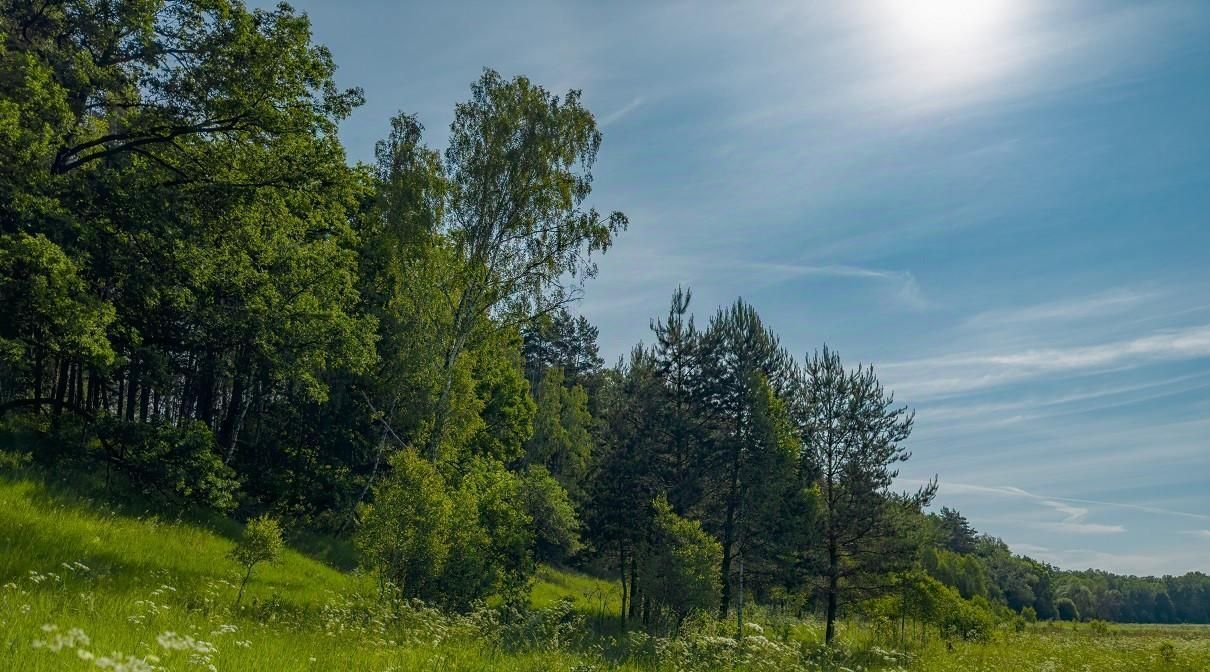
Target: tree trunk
<point x="243" y="584"/>
<point x="61" y="385"/>
<point x="144" y="402"/>
<point x="79" y="400"/>
<point x="39" y="372"/>
<point x="622" y="574"/>
<point x="132" y="385"/>
<point x="120" y="393"/>
<point x="833" y="587"/>
<point x="236" y="409"/>
<point x="205" y="390"/>
<point x="634" y="586"/>
<point x="729" y="540"/>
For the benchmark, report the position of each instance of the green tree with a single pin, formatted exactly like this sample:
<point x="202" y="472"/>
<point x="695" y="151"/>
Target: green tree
<point x="740" y="356"/>
<point x="852" y="437"/>
<point x="555" y="524"/>
<point x="562" y="440"/>
<point x="519" y="166"/>
<point x="260" y="543"/>
<point x="1067" y="610"/>
<point x="681" y="568"/>
<point x="955" y="532"/>
<point x="50" y="317"/>
<point x="405" y="533"/>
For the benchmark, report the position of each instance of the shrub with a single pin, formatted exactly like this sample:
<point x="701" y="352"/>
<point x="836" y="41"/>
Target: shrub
<point x="404" y="535"/>
<point x="681" y="570"/>
<point x="490" y="537"/>
<point x="451" y="544"/>
<point x="169" y="462"/>
<point x="1067" y="609"/>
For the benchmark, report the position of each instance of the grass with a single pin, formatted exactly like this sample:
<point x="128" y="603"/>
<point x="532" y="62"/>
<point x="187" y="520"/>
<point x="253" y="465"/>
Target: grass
<point x="149" y="593"/>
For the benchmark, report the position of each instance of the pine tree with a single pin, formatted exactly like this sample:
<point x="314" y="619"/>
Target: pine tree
<point x="853" y="436"/>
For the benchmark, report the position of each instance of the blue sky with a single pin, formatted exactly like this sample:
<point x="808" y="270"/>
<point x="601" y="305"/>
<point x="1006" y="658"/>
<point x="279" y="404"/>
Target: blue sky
<point x="1001" y="204"/>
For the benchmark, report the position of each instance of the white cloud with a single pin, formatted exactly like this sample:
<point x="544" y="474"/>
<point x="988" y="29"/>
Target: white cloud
<point x="621" y="112"/>
<point x="1203" y="534"/>
<point x="1105" y="303"/>
<point x="1074" y="523"/>
<point x="1057" y="503"/>
<point x="904" y="288"/>
<point x="952" y="374"/>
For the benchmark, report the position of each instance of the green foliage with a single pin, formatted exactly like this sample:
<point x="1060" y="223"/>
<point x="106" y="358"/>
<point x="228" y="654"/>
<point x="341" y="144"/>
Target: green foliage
<point x="48" y="312"/>
<point x="1066" y="609"/>
<point x="561" y="441"/>
<point x="681" y="567"/>
<point x="555" y="524"/>
<point x="490" y="537"/>
<point x="853" y="438"/>
<point x="261" y="542"/>
<point x="451" y="543"/>
<point x="966" y="573"/>
<point x="169" y="462"/>
<point x="404" y="535"/>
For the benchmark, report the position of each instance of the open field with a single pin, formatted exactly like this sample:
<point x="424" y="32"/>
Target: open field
<point x="87" y="588"/>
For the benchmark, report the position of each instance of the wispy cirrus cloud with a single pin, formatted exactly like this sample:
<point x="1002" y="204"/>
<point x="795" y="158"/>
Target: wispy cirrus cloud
<point x="1202" y="534"/>
<point x="621" y="112"/>
<point x="1098" y="305"/>
<point x="1074" y="520"/>
<point x="1055" y="502"/>
<point x="902" y="285"/>
<point x="952" y="374"/>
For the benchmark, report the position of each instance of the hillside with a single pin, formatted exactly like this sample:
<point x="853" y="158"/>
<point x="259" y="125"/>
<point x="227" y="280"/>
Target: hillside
<point x="144" y="588"/>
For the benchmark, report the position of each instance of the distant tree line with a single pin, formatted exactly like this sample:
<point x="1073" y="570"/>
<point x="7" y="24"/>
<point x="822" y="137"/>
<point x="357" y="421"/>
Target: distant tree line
<point x="983" y="566"/>
<point x="204" y="303"/>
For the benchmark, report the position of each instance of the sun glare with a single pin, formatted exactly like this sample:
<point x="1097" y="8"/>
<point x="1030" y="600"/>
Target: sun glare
<point x="947" y="24"/>
<point x="945" y="42"/>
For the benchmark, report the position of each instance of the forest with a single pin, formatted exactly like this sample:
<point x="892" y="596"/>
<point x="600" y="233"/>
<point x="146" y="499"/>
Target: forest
<point x="207" y="307"/>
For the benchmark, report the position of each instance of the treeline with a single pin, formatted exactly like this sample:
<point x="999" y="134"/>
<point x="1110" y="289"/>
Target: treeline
<point x="981" y="566"/>
<point x="206" y="303"/>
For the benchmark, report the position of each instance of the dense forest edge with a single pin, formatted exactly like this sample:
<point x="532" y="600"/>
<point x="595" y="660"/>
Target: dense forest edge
<point x="209" y="313"/>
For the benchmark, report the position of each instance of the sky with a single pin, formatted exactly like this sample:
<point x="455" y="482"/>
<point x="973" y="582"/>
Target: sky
<point x="1002" y="205"/>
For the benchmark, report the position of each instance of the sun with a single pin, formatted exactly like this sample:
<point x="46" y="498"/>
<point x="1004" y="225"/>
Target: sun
<point x="936" y="45"/>
<point x="946" y="24"/>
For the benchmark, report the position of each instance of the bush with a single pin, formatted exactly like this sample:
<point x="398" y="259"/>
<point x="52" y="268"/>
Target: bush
<point x="1067" y="609"/>
<point x="169" y="462"/>
<point x="404" y="535"/>
<point x="681" y="569"/>
<point x="490" y="537"/>
<point x="450" y="544"/>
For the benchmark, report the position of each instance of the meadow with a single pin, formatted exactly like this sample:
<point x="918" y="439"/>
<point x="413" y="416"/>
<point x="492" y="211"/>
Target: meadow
<point x="87" y="587"/>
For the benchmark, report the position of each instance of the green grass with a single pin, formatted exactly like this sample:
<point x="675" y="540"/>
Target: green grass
<point x="591" y="596"/>
<point x="127" y="582"/>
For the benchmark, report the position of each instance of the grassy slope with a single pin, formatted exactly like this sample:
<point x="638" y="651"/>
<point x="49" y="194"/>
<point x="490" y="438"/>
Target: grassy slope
<point x="146" y="577"/>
